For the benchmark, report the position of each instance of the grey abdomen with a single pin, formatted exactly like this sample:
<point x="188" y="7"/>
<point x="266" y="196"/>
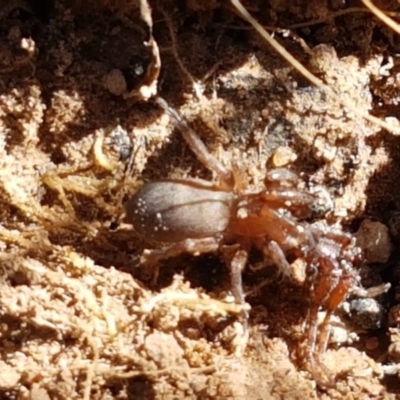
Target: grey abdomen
<point x="174" y="210"/>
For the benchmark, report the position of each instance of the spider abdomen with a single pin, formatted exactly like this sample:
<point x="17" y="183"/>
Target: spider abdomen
<point x="174" y="210"/>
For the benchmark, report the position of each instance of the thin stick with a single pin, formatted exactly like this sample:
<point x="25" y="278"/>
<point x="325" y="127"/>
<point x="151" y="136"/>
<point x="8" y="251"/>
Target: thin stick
<point x="279" y="49"/>
<point x="382" y="16"/>
<point x="307" y="74"/>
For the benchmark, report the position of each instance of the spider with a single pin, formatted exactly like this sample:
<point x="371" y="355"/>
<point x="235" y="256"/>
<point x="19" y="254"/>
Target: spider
<point x="196" y="216"/>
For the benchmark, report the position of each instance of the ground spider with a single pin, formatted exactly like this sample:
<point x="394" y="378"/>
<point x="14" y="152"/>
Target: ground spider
<point x="196" y="216"/>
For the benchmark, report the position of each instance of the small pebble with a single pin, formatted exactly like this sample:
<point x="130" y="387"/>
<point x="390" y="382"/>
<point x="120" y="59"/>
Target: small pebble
<point x="283" y="156"/>
<point x="374" y="239"/>
<point x="115" y="82"/>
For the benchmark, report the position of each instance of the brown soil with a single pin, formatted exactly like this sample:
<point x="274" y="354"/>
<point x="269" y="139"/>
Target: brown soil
<point x="79" y="317"/>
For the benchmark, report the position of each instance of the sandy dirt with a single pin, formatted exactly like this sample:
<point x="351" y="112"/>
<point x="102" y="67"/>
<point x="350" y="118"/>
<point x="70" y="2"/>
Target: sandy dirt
<point x="79" y="317"/>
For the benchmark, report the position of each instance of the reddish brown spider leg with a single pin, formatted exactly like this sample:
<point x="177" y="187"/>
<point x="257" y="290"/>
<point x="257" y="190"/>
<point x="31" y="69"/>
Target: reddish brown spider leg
<point x="336" y="297"/>
<point x="320" y="229"/>
<point x="197" y="146"/>
<point x="299" y="202"/>
<point x="273" y="252"/>
<point x="194" y="246"/>
<point x="281" y="229"/>
<point x="237" y="265"/>
<point x="327" y="278"/>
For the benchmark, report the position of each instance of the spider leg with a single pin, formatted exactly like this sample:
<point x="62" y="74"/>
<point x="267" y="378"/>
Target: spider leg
<point x="336" y="297"/>
<point x="274" y="252"/>
<point x="297" y="202"/>
<point x="197" y="146"/>
<point x="320" y="229"/>
<point x="152" y="258"/>
<point x="327" y="279"/>
<point x="236" y="257"/>
<point x="237" y="265"/>
<point x="192" y="246"/>
<point x="331" y="255"/>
